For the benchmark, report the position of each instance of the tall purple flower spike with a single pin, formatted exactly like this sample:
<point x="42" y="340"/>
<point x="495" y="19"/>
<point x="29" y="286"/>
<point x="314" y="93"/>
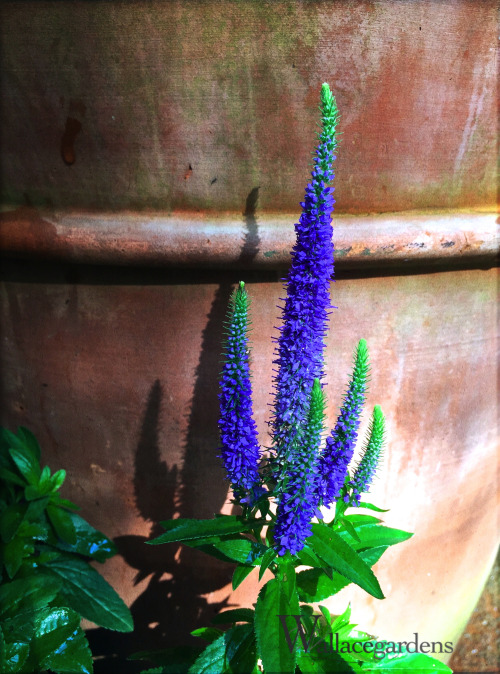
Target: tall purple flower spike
<point x="238" y="432"/>
<point x="305" y="313"/>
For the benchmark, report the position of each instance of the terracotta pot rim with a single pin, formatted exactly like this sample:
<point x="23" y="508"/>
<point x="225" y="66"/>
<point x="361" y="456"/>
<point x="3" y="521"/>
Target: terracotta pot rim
<point x="377" y="241"/>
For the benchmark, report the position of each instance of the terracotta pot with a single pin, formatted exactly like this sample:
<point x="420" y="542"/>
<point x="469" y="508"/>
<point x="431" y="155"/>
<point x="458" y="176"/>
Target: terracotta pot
<point x="115" y="369"/>
<point x="111" y="316"/>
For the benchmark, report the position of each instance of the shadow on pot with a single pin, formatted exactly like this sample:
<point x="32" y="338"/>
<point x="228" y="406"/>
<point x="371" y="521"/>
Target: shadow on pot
<point x="173" y="604"/>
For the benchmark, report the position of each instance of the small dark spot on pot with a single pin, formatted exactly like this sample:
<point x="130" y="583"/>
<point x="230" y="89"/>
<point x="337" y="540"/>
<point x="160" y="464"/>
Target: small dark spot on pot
<point x="73" y="127"/>
<point x="447" y="244"/>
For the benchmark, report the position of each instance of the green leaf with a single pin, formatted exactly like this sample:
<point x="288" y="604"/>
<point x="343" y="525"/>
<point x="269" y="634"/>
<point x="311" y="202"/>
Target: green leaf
<point x="10" y="520"/>
<point x="339" y="555"/>
<point x="376" y="535"/>
<point x="341" y="620"/>
<point x="212" y="660"/>
<point x="57" y="479"/>
<point x="326" y="614"/>
<point x="240" y="573"/>
<point x="370" y="506"/>
<point x="241" y="651"/>
<point x="22" y="545"/>
<point x="7" y="475"/>
<point x="30" y="593"/>
<point x="314" y="586"/>
<point x="188" y="529"/>
<point x="308" y="557"/>
<point x="59" y="642"/>
<point x="26" y="463"/>
<point x="29" y="441"/>
<point x="45" y="477"/>
<point x="2" y="651"/>
<point x="359" y="520"/>
<point x="209" y="634"/>
<point x="16" y="654"/>
<point x="88" y="593"/>
<point x="62" y="523"/>
<point x="350" y="529"/>
<point x="267" y="560"/>
<point x="89" y="542"/>
<point x="245" y="615"/>
<point x="236" y="549"/>
<point x="274" y="600"/>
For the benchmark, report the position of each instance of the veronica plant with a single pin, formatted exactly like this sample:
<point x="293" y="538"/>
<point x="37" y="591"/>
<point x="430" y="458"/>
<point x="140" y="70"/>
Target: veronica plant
<point x="280" y="527"/>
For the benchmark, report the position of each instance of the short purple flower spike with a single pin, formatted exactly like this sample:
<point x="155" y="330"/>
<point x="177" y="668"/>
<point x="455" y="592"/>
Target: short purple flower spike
<point x="238" y="432"/>
<point x="340" y="444"/>
<point x="298" y="500"/>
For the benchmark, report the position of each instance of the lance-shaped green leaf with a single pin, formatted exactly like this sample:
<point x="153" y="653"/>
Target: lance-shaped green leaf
<point x="240" y="573"/>
<point x="62" y="523"/>
<point x="89" y="541"/>
<point x="241" y="650"/>
<point x="339" y="555"/>
<point x="212" y="660"/>
<point x="376" y="535"/>
<point x="189" y="529"/>
<point x="313" y="585"/>
<point x="29" y="593"/>
<point x="277" y="598"/>
<point x="370" y="506"/>
<point x="86" y="591"/>
<point x="231" y="549"/>
<point x="234" y="616"/>
<point x="59" y="642"/>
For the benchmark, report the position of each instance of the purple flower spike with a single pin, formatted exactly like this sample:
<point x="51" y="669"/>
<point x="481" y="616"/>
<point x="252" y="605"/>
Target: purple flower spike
<point x="298" y="501"/>
<point x="340" y="444"/>
<point x="307" y="305"/>
<point x="367" y="467"/>
<point x="238" y="432"/>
